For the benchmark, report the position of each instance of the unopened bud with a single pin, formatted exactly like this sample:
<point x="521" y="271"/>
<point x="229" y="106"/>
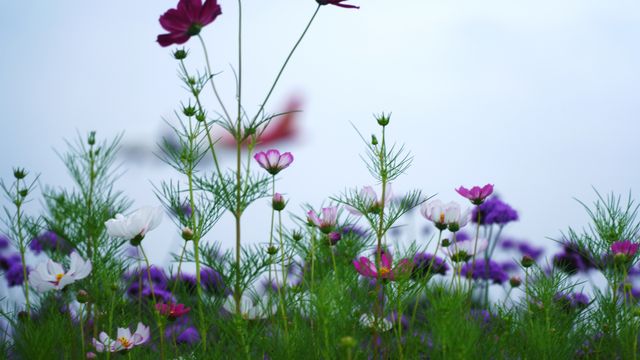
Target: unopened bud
<point x="383" y="120"/>
<point x="348" y="342"/>
<point x="515" y="281"/>
<point x="297" y="235"/>
<point x="272" y="250"/>
<point x="334" y="237"/>
<point x="92" y="138"/>
<point x="19" y="173"/>
<point x="374" y="140"/>
<point x="82" y="296"/>
<point x="445" y="243"/>
<point x="527" y="261"/>
<point x="201" y="116"/>
<point x="180" y="54"/>
<point x="278" y="202"/>
<point x="23" y="192"/>
<point x="189" y="110"/>
<point x="187" y="234"/>
<point x="453" y="227"/>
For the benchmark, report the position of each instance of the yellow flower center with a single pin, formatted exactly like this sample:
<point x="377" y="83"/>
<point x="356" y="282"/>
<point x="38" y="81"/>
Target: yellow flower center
<point x="384" y="271"/>
<point x="125" y="342"/>
<point x="58" y="278"/>
<point x="442" y="218"/>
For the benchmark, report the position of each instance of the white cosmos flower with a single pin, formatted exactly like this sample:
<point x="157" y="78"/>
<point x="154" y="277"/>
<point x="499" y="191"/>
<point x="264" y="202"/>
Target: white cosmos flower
<point x="249" y="308"/>
<point x="124" y="341"/>
<point x="369" y="321"/>
<point x="135" y="225"/>
<point x="50" y="275"/>
<point x="443" y="215"/>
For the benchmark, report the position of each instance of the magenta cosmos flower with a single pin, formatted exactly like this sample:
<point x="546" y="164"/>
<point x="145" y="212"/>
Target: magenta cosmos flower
<point x="368" y="268"/>
<point x="626" y="248"/>
<point x="337" y="3"/>
<point x="476" y="194"/>
<point x="273" y="161"/>
<point x="328" y="221"/>
<point x="186" y="20"/>
<point x="172" y="311"/>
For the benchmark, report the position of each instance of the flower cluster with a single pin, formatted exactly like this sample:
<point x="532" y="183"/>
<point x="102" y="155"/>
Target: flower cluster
<point x="494" y="211"/>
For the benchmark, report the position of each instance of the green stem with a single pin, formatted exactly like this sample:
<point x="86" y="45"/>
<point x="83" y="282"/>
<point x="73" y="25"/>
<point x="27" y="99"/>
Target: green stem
<point x="284" y="65"/>
<point x="153" y="297"/>
<point x="22" y="248"/>
<point x="415" y="307"/>
<point x="213" y="85"/>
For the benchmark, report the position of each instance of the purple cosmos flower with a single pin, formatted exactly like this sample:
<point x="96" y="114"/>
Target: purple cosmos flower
<point x="572" y="260"/>
<point x="494" y="211"/>
<point x="386" y="271"/>
<point x="476" y="194"/>
<point x="337" y="3"/>
<point x="624" y="248"/>
<point x="328" y="221"/>
<point x="425" y="264"/>
<point x="273" y="161"/>
<point x="186" y="20"/>
<point x="485" y="270"/>
<point x="213" y="282"/>
<point x="187" y="335"/>
<point x="573" y="301"/>
<point x="526" y="249"/>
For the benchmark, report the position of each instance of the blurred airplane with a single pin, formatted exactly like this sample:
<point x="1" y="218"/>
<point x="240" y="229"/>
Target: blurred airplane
<point x="282" y="128"/>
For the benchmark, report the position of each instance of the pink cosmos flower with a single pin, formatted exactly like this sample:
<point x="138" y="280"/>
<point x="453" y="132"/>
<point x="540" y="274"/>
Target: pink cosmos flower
<point x="186" y="20"/>
<point x="445" y="215"/>
<point x="337" y="3"/>
<point x="368" y="268"/>
<point x="172" y="311"/>
<point x="371" y="201"/>
<point x="476" y="194"/>
<point x="328" y="221"/>
<point x="626" y="248"/>
<point x="273" y="161"/>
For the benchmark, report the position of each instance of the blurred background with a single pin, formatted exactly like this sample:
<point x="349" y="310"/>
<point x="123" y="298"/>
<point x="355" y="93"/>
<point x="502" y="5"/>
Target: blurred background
<point x="538" y="97"/>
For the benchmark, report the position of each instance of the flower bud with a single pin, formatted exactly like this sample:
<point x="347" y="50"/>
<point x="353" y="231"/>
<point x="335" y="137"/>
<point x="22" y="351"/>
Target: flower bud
<point x="445" y="243"/>
<point x="334" y="237"/>
<point x="272" y="250"/>
<point x="278" y="202"/>
<point x="82" y="296"/>
<point x="515" y="281"/>
<point x="92" y="138"/>
<point x="23" y="192"/>
<point x="348" y="342"/>
<point x="189" y="110"/>
<point x="374" y="140"/>
<point x="383" y="120"/>
<point x="136" y="240"/>
<point x="297" y="235"/>
<point x="201" y="116"/>
<point x="19" y="173"/>
<point x="180" y="54"/>
<point x="187" y="234"/>
<point x="527" y="261"/>
<point x="454" y="227"/>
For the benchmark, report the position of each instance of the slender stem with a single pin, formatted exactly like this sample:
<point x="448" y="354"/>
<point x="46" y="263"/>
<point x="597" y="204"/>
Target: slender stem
<point x="284" y="65"/>
<point x="475" y="249"/>
<point x="22" y="247"/>
<point x="239" y="161"/>
<point x="175" y="284"/>
<point x="81" y="328"/>
<point x="213" y="85"/>
<point x="379" y="306"/>
<point x="153" y="297"/>
<point x="429" y="269"/>
<point x="273" y="215"/>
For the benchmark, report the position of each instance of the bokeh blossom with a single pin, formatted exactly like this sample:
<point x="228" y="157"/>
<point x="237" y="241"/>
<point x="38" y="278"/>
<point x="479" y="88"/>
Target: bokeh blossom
<point x="273" y="161"/>
<point x="329" y="219"/>
<point x="425" y="264"/>
<point x="186" y="20"/>
<point x="370" y="201"/>
<point x="50" y="275"/>
<point x="494" y="211"/>
<point x="485" y="270"/>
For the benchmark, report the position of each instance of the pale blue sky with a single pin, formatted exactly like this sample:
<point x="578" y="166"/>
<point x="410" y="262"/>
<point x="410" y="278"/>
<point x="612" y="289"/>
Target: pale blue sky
<point x="540" y="98"/>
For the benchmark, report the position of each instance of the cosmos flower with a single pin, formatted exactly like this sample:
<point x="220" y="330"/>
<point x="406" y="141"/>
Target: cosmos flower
<point x="172" y="311"/>
<point x="186" y="20"/>
<point x="370" y="201"/>
<point x="328" y="221"/>
<point x="445" y="216"/>
<point x="425" y="264"/>
<point x="368" y="268"/>
<point x="135" y="226"/>
<point x="337" y="3"/>
<point x="49" y="240"/>
<point x="485" y="270"/>
<point x="624" y="248"/>
<point x="124" y="340"/>
<point x="273" y="161"/>
<point x="476" y="194"/>
<point x="50" y="275"/>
